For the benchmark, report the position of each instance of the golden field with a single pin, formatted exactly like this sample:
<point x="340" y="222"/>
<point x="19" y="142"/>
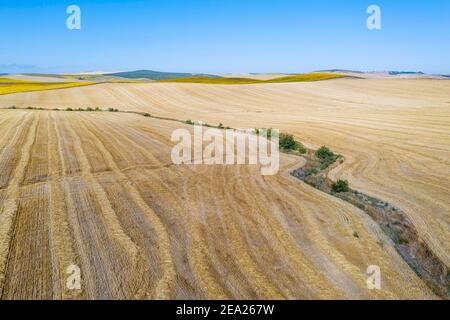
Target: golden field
<point x="99" y="190"/>
<point x="8" y="86"/>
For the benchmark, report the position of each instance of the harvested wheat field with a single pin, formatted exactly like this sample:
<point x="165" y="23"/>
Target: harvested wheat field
<point x="99" y="190"/>
<point x="394" y="133"/>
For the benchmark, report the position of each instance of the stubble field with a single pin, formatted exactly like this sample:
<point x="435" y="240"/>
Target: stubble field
<point x="99" y="190"/>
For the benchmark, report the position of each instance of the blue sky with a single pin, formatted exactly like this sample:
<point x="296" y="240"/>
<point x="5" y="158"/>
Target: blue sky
<point x="224" y="36"/>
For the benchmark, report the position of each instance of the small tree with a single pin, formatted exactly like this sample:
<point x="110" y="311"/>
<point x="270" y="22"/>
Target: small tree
<point x="340" y="186"/>
<point x="301" y="148"/>
<point x="324" y="153"/>
<point x="287" y="141"/>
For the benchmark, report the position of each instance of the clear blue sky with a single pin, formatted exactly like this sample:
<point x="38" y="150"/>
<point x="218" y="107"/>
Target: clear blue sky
<point x="224" y="36"/>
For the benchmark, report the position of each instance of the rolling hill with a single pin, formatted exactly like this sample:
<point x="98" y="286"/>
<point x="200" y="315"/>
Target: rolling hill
<point x="155" y="75"/>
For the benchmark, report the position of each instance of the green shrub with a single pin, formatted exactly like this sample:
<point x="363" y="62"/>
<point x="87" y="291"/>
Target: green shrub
<point x="301" y="148"/>
<point x="326" y="157"/>
<point x="220" y="126"/>
<point x="324" y="153"/>
<point x="190" y="122"/>
<point x="97" y="109"/>
<point x="287" y="142"/>
<point x="340" y="186"/>
<point x="69" y="109"/>
<point x="89" y="109"/>
<point x="324" y="165"/>
<point x="311" y="171"/>
<point x="146" y="115"/>
<point x="13" y="107"/>
<point x="355" y="234"/>
<point x="113" y="110"/>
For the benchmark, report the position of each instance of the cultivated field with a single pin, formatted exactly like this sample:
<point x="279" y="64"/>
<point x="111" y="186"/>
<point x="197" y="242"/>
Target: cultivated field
<point x="99" y="190"/>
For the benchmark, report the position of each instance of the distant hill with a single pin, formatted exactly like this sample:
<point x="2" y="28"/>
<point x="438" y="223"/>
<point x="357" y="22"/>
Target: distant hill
<point x="395" y="73"/>
<point x="308" y="77"/>
<point x="156" y="75"/>
<point x="340" y="70"/>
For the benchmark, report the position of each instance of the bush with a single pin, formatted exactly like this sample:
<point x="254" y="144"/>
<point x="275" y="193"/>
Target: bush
<point x="326" y="157"/>
<point x="340" y="186"/>
<point x="97" y="109"/>
<point x="287" y="142"/>
<point x="324" y="153"/>
<point x="220" y="126"/>
<point x="147" y="115"/>
<point x="69" y="109"/>
<point x="13" y="107"/>
<point x="301" y="148"/>
<point x="311" y="171"/>
<point x="113" y="110"/>
<point x="189" y="122"/>
<point x="89" y="109"/>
